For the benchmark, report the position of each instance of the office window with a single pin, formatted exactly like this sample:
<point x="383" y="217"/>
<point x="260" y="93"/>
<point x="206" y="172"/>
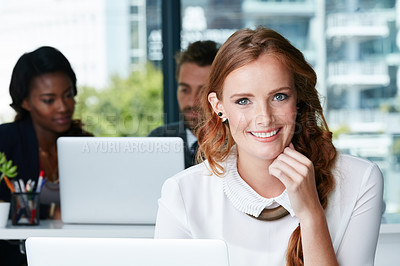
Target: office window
<point x="115" y="48"/>
<point x="106" y="41"/>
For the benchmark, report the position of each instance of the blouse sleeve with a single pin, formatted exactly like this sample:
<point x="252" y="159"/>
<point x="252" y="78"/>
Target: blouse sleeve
<point x="360" y="238"/>
<point x="171" y="217"/>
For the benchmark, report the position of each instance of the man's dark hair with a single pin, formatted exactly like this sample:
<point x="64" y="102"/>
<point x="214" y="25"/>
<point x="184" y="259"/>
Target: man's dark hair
<point x="201" y="53"/>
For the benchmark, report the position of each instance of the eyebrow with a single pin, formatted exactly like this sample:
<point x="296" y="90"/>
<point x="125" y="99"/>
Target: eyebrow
<point x="53" y="94"/>
<point x="183" y="84"/>
<point x="187" y="85"/>
<point x="271" y="92"/>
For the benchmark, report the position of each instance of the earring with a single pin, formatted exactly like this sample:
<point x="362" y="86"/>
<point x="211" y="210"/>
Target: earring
<point x="224" y="120"/>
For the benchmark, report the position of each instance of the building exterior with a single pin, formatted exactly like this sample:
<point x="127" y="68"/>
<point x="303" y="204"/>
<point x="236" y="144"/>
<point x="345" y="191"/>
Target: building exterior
<point x="363" y="64"/>
<point x="354" y="47"/>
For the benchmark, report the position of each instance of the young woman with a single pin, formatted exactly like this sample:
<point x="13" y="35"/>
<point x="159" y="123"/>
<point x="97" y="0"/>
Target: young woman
<point x="42" y="88"/>
<point x="272" y="186"/>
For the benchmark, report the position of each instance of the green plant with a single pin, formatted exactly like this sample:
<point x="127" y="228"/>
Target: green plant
<point x="342" y="129"/>
<point x="7" y="168"/>
<point x="130" y="106"/>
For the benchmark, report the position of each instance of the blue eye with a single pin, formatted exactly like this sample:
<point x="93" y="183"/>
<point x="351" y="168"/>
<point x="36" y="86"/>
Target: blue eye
<point x="280" y="97"/>
<point x="243" y="101"/>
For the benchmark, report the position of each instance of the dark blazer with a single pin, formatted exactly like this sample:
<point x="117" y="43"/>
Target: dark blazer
<point x="176" y="129"/>
<point x="19" y="143"/>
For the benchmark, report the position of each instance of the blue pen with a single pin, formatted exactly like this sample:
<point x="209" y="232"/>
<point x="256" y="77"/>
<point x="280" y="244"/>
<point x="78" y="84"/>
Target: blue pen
<point x="19" y="215"/>
<point x="41" y="185"/>
<point x="20" y="200"/>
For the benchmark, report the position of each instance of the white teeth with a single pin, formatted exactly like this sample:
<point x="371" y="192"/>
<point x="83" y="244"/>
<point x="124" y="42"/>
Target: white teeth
<point x="265" y="135"/>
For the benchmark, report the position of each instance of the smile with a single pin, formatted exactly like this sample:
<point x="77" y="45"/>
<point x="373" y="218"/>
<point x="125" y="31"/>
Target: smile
<point x="63" y="120"/>
<point x="265" y="134"/>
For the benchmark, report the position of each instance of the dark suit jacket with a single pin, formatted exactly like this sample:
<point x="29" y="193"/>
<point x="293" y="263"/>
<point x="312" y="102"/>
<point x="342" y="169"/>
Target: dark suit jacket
<point x="18" y="142"/>
<point x="176" y="129"/>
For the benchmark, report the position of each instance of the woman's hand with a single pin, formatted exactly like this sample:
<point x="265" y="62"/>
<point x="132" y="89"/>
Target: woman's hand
<point x="296" y="172"/>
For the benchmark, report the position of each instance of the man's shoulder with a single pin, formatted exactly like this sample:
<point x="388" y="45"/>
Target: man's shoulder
<point x="174" y="129"/>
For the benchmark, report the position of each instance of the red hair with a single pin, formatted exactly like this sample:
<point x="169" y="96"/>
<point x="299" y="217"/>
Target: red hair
<point x="312" y="136"/>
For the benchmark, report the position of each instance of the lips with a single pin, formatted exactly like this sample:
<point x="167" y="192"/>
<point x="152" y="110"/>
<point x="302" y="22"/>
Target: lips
<point x="191" y="114"/>
<point x="265" y="134"/>
<point x="63" y="120"/>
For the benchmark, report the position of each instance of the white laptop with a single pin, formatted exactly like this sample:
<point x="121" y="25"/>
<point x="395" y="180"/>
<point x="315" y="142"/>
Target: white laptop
<point x="115" y="180"/>
<point x="60" y="251"/>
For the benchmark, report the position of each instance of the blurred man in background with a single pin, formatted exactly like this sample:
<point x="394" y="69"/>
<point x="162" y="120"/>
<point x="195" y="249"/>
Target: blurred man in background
<point x="193" y="68"/>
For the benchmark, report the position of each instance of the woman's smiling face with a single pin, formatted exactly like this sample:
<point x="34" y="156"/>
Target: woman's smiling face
<point x="51" y="102"/>
<point x="259" y="101"/>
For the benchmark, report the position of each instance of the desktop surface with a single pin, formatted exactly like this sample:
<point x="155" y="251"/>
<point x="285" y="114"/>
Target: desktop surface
<point x="56" y="228"/>
<point x="45" y="251"/>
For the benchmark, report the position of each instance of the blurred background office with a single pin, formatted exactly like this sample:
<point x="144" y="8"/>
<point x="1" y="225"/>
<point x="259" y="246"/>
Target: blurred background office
<point x="122" y="52"/>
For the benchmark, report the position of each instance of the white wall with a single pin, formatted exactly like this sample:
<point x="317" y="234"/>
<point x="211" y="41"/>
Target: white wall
<point x="78" y="28"/>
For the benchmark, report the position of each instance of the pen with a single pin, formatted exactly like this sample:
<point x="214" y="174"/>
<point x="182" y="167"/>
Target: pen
<point x="17" y="216"/>
<point x="20" y="202"/>
<point x="40" y="181"/>
<point x="16" y="187"/>
<point x="22" y="185"/>
<point x="28" y="185"/>
<point x="41" y="185"/>
<point x="33" y="216"/>
<point x="32" y="185"/>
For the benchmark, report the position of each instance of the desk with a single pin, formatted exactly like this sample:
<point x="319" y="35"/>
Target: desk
<point x="54" y="228"/>
<point x="388" y="245"/>
<point x="387" y="250"/>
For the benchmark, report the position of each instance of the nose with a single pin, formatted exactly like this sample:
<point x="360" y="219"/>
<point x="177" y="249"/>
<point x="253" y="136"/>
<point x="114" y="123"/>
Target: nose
<point x="264" y="116"/>
<point x="62" y="106"/>
<point x="193" y="99"/>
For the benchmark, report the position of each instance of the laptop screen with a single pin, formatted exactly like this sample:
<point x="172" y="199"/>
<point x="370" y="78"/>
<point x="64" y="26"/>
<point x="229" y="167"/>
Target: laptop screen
<point x="115" y="180"/>
<point x="46" y="251"/>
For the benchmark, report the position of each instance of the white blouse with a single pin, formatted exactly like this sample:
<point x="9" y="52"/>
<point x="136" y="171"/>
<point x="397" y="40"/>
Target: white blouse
<point x="197" y="204"/>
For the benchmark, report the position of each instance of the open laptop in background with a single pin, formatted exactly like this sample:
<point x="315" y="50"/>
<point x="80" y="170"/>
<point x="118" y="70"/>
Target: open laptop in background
<point x="47" y="251"/>
<point x="115" y="180"/>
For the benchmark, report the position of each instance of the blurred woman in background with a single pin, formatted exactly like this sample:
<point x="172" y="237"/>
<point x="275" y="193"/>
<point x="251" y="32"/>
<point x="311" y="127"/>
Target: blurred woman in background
<point x="42" y="88"/>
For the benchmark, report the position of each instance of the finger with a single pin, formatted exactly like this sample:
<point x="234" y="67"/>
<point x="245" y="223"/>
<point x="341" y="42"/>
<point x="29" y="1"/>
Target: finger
<point x="302" y="168"/>
<point x="285" y="173"/>
<point x="296" y="155"/>
<point x="278" y="173"/>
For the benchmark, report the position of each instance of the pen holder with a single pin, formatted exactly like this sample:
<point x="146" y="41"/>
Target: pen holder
<point x="25" y="208"/>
